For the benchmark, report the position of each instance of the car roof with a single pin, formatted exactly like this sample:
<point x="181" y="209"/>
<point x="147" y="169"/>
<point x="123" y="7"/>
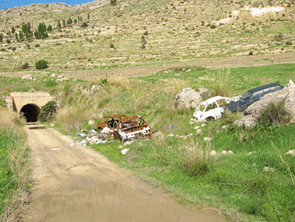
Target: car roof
<point x="113" y="116"/>
<point x="212" y="100"/>
<point x="263" y="87"/>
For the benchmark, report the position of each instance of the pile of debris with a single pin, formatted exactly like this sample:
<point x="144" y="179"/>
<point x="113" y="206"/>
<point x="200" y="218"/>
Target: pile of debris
<point x="92" y="137"/>
<point x="125" y="129"/>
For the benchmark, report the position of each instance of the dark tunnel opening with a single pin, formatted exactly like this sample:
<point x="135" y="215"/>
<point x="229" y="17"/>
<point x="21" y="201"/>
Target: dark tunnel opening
<point x="30" y="112"/>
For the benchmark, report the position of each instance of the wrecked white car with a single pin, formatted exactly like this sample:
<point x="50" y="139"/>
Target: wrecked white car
<point x="212" y="108"/>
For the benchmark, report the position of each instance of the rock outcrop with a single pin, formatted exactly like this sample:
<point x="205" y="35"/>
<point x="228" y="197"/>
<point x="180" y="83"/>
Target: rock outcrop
<point x="191" y="98"/>
<point x="284" y="96"/>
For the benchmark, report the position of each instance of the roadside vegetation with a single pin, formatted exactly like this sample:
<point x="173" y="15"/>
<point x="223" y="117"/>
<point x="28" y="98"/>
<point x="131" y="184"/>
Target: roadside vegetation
<point x="14" y="166"/>
<point x="254" y="184"/>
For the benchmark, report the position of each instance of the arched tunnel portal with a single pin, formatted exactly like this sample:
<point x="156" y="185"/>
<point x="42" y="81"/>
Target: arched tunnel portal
<point x="30" y="112"/>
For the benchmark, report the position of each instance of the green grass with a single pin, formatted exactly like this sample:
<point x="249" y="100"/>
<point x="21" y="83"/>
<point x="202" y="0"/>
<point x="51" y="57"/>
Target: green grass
<point x="236" y="184"/>
<point x="242" y="78"/>
<point x="14" y="172"/>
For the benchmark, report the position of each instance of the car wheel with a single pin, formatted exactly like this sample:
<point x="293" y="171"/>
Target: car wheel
<point x="210" y="118"/>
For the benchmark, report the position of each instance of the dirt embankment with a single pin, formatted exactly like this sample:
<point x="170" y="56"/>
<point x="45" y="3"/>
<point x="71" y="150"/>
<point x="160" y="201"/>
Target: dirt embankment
<point x="78" y="184"/>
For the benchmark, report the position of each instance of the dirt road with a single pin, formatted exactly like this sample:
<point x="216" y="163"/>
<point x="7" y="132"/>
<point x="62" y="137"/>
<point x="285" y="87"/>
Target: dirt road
<point x="78" y="184"/>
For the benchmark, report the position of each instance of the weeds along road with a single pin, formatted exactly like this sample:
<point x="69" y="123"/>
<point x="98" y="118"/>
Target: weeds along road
<point x="78" y="184"/>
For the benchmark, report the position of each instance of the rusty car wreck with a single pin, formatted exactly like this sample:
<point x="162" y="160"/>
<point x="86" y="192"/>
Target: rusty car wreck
<point x="110" y="121"/>
<point x="132" y="128"/>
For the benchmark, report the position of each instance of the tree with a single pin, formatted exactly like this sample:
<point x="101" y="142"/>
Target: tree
<point x="1" y="37"/>
<point x="49" y="28"/>
<point x="47" y="111"/>
<point x="58" y="25"/>
<point x="21" y="36"/>
<point x="16" y="37"/>
<point x="70" y="21"/>
<point x="63" y="23"/>
<point x="12" y="30"/>
<point x="88" y="16"/>
<point x="41" y="32"/>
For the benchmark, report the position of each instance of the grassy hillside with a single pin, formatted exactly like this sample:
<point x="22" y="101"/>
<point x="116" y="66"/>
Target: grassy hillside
<point x="145" y="32"/>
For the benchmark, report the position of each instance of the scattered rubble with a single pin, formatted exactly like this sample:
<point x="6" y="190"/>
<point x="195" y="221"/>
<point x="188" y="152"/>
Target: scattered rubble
<point x="224" y="152"/>
<point x="124" y="151"/>
<point x="92" y="137"/>
<point x="91" y="122"/>
<point x="199" y="131"/>
<point x="268" y="169"/>
<point x="27" y="76"/>
<point x="213" y="153"/>
<point x="207" y="139"/>
<point x="291" y="152"/>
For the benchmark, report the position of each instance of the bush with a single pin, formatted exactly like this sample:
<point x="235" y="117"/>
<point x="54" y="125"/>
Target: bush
<point x="25" y="66"/>
<point x="274" y="114"/>
<point x="41" y="64"/>
<point x="47" y="111"/>
<point x="197" y="161"/>
<point x="13" y="48"/>
<point x="84" y="25"/>
<point x="8" y="41"/>
<point x="37" y="45"/>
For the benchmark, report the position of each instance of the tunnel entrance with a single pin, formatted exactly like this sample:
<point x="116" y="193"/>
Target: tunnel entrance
<point x="30" y="112"/>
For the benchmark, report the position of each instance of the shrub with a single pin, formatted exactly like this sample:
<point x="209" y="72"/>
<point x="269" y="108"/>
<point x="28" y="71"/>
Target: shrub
<point x="112" y="46"/>
<point x="49" y="28"/>
<point x="228" y="117"/>
<point x="37" y="45"/>
<point x="196" y="160"/>
<point x="84" y="25"/>
<point x="250" y="53"/>
<point x="41" y="64"/>
<point x="289" y="43"/>
<point x="8" y="41"/>
<point x="13" y="48"/>
<point x="25" y="66"/>
<point x="47" y="111"/>
<point x="71" y="118"/>
<point x="274" y="114"/>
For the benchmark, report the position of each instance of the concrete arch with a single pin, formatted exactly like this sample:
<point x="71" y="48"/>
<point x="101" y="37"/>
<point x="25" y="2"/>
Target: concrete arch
<point x="30" y="112"/>
<point x="28" y="104"/>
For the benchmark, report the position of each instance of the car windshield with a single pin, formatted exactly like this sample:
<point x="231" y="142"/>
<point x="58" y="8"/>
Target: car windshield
<point x="247" y="95"/>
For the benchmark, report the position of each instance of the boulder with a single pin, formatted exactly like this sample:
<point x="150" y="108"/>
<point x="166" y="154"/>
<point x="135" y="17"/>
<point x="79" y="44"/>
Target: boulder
<point x="249" y="121"/>
<point x="91" y="122"/>
<point x="94" y="89"/>
<point x="284" y="96"/>
<point x="190" y="98"/>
